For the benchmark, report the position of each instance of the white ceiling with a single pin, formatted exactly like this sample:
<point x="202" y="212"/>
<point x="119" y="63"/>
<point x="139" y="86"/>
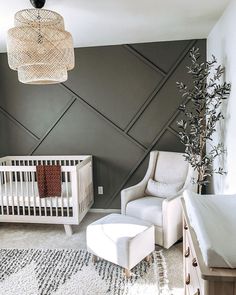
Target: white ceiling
<point x="106" y="22"/>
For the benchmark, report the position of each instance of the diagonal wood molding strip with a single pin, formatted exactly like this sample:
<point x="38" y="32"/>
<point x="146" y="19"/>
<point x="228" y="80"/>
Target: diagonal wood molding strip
<point x="69" y="105"/>
<point x="173" y="131"/>
<point x="19" y="124"/>
<point x="144" y="59"/>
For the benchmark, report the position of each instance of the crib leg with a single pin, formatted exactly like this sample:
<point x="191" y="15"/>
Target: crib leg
<point x="68" y="230"/>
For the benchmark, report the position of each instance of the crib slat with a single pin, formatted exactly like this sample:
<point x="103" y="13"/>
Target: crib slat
<point x="33" y="191"/>
<point x="27" y="190"/>
<point x="50" y="163"/>
<point x="6" y="192"/>
<point x="62" y="194"/>
<point x="56" y="200"/>
<point x="22" y="192"/>
<point x="11" y="192"/>
<point x="67" y="192"/>
<point x="2" y="205"/>
<point x="45" y="206"/>
<point x="40" y="204"/>
<point x="50" y="205"/>
<point x="17" y="196"/>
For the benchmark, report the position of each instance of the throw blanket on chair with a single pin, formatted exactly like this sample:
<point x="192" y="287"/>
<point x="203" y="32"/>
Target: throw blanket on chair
<point x="49" y="180"/>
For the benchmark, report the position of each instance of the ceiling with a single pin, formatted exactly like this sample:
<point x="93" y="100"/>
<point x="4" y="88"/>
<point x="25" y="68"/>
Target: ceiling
<point x="106" y="22"/>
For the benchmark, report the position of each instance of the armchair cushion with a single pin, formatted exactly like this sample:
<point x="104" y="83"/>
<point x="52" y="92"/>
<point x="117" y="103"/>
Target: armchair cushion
<point x="162" y="189"/>
<point x="147" y="208"/>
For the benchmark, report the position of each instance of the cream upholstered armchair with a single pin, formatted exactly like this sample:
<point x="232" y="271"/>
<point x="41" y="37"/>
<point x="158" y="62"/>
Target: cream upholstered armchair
<point x="157" y="197"/>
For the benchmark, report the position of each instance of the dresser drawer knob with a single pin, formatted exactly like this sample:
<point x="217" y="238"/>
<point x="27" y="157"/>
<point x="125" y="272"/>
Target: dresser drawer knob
<point x="198" y="292"/>
<point x="194" y="262"/>
<point x="185" y="226"/>
<point x="187" y="253"/>
<point x="187" y="281"/>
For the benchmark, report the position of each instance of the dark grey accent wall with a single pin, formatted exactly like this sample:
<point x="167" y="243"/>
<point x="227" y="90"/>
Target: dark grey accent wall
<point x="119" y="103"/>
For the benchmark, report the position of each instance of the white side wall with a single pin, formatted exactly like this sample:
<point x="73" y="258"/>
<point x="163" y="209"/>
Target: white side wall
<point x="222" y="43"/>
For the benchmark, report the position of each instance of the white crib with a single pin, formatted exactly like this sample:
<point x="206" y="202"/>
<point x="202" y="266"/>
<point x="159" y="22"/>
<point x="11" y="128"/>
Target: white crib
<point x="19" y="197"/>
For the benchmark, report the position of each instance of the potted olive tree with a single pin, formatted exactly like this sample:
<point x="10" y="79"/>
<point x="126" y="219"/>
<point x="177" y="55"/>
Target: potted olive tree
<point x="201" y="113"/>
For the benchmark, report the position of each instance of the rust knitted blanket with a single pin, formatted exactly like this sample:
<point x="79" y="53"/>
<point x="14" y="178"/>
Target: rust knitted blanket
<point x="49" y="180"/>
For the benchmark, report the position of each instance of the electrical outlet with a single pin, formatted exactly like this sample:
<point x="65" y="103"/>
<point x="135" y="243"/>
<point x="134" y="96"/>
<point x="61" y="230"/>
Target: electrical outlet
<point x="100" y="190"/>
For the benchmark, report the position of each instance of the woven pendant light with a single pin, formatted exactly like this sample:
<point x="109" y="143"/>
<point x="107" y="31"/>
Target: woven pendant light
<point x="38" y="46"/>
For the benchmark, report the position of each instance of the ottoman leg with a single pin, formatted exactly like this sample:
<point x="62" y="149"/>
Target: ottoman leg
<point x="148" y="258"/>
<point x="127" y="273"/>
<point x="94" y="258"/>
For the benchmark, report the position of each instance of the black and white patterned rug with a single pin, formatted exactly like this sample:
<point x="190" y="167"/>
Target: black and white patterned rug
<point x="72" y="272"/>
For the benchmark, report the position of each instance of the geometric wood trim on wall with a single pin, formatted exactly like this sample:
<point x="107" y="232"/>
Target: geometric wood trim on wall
<point x="119" y="103"/>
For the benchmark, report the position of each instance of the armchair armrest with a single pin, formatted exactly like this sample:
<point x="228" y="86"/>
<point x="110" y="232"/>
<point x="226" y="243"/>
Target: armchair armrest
<point x="172" y="219"/>
<point x="138" y="190"/>
<point x="132" y="193"/>
<point x="187" y="186"/>
<point x="172" y="198"/>
<point x="172" y="213"/>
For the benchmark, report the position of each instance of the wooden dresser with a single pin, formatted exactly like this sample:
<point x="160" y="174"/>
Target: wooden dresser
<point x="198" y="278"/>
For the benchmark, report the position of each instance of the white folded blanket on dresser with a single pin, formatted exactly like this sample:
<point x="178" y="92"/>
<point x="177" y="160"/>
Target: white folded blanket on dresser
<point x="213" y="218"/>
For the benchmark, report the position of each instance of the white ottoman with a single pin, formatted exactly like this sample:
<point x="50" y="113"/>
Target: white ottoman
<point x="121" y="239"/>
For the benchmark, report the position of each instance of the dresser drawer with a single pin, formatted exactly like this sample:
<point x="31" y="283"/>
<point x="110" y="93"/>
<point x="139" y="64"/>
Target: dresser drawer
<point x="192" y="272"/>
<point x="188" y="291"/>
<point x="191" y="280"/>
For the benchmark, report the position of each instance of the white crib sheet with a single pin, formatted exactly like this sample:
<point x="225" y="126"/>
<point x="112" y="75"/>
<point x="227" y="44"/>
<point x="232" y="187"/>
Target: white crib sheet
<point x="19" y="196"/>
<point x="214" y="221"/>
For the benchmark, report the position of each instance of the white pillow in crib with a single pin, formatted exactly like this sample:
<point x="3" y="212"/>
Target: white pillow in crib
<point x="162" y="189"/>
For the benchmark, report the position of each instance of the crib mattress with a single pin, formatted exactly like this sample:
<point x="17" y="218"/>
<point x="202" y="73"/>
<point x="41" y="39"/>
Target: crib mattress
<point x="19" y="195"/>
<point x="214" y="221"/>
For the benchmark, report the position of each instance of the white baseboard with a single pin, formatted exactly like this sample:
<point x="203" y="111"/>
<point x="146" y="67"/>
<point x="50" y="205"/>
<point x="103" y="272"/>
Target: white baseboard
<point x="94" y="210"/>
